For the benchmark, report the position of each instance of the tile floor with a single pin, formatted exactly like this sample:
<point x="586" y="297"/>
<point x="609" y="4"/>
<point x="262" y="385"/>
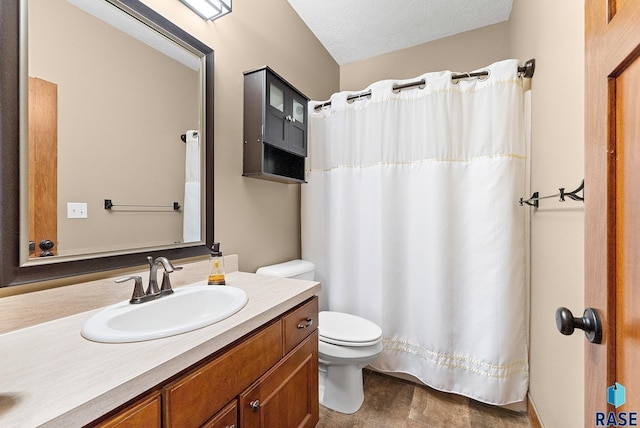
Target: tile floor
<point x="390" y="402"/>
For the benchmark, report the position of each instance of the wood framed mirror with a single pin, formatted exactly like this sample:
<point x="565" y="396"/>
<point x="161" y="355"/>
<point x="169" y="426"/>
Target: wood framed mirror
<point x="16" y="266"/>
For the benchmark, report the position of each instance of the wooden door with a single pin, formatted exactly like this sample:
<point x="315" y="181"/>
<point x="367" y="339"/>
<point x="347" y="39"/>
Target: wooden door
<point x="612" y="205"/>
<point x="43" y="163"/>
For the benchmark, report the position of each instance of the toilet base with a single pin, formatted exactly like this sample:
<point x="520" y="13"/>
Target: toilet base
<point x="341" y="388"/>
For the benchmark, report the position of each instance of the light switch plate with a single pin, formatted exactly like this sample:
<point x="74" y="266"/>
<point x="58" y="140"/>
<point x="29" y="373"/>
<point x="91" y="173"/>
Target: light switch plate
<point x="76" y="210"/>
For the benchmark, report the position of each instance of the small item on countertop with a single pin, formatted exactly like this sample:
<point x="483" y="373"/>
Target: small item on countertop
<point x="216" y="266"/>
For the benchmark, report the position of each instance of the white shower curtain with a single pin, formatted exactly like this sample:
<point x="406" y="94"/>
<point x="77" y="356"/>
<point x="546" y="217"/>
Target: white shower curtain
<point x="411" y="216"/>
<point x="191" y="209"/>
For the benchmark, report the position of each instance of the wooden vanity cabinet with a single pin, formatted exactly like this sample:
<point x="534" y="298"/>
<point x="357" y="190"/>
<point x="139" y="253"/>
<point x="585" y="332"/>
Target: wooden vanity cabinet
<point x="287" y="395"/>
<point x="194" y="398"/>
<point x="275" y="128"/>
<point x="269" y="378"/>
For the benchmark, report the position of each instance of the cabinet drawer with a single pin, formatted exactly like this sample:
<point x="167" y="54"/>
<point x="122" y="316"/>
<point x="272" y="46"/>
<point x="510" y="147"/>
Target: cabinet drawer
<point x="226" y="418"/>
<point x="144" y="413"/>
<point x="299" y="323"/>
<point x="193" y="399"/>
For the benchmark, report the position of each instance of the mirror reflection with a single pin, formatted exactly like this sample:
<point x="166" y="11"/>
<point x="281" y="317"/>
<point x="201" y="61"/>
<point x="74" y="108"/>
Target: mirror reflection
<point x="108" y="170"/>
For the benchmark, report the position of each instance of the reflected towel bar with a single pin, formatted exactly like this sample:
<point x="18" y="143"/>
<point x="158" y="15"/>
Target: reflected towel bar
<point x="108" y="204"/>
<point x="183" y="137"/>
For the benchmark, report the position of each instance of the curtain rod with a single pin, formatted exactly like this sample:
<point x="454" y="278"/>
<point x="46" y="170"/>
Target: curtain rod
<point x="525" y="71"/>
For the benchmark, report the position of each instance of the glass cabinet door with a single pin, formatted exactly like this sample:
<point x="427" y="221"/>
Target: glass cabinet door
<point x="276" y="97"/>
<point x="298" y="127"/>
<point x="298" y="111"/>
<point x="275" y="114"/>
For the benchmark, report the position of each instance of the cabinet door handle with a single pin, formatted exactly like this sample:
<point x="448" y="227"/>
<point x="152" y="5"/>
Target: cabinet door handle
<point x="309" y="321"/>
<point x="255" y="405"/>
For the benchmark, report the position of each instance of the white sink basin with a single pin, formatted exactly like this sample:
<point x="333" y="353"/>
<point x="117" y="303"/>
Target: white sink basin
<point x="187" y="309"/>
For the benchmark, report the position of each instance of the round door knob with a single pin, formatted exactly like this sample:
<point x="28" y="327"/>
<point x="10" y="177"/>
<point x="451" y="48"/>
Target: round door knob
<point x="590" y="323"/>
<point x="255" y="405"/>
<point x="46" y="245"/>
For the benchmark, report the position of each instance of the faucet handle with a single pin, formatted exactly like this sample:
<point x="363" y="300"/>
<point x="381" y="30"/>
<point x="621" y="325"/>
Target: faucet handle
<point x="138" y="290"/>
<point x="166" y="282"/>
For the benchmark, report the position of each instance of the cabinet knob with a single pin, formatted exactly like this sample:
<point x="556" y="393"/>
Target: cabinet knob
<point x="255" y="405"/>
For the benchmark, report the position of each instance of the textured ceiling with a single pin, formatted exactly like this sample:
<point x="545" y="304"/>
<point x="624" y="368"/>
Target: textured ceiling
<point x="352" y="30"/>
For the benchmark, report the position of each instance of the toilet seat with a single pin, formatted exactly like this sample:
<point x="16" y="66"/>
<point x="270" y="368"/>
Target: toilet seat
<point x="343" y="329"/>
<point x="356" y="355"/>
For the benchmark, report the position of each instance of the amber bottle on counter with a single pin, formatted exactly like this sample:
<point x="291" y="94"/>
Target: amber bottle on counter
<point x="216" y="266"/>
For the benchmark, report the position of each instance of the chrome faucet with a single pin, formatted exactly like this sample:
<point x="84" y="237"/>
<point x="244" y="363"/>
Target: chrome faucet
<point x="165" y="289"/>
<point x="152" y="292"/>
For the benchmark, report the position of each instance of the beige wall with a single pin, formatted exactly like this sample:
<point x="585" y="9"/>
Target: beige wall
<point x="257" y="219"/>
<point x="553" y="33"/>
<point x="463" y="52"/>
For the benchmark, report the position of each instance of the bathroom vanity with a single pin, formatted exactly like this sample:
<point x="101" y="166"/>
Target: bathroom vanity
<point x="256" y="368"/>
<point x="250" y="382"/>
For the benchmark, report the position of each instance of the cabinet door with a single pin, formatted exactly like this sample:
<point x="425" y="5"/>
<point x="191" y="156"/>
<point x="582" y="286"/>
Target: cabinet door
<point x="276" y="112"/>
<point x="194" y="398"/>
<point x="287" y="395"/>
<point x="285" y="117"/>
<point x="297" y="127"/>
<point x="142" y="414"/>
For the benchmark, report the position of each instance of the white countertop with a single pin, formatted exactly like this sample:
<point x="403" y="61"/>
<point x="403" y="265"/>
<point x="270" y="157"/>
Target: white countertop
<point x="51" y="376"/>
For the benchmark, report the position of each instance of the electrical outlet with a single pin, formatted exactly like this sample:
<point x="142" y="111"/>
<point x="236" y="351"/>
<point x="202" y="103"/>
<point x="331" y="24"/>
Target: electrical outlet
<point x="76" y="210"/>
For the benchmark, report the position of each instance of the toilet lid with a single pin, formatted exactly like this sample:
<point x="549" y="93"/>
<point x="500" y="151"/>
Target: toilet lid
<point x="347" y="330"/>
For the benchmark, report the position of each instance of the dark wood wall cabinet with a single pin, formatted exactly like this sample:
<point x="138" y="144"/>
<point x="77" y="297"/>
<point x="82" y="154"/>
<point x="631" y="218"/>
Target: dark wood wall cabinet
<point x="275" y="128"/>
<point x="267" y="379"/>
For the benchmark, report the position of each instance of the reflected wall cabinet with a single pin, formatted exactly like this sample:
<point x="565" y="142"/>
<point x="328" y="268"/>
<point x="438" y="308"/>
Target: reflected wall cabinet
<point x="275" y="128"/>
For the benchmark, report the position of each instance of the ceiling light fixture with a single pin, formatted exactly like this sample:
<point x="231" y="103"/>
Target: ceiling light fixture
<point x="209" y="9"/>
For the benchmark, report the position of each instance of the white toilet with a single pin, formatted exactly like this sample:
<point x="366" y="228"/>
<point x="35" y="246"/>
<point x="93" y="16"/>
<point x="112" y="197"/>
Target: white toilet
<point x="347" y="343"/>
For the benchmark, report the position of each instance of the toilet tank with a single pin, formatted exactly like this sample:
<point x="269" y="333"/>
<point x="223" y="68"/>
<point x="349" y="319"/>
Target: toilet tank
<point x="298" y="269"/>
